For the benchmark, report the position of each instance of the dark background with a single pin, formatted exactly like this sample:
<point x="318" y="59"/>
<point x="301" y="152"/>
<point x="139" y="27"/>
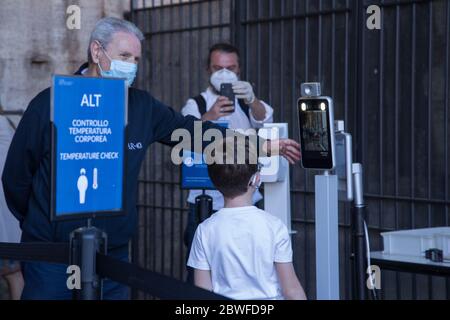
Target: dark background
<point x="390" y="86"/>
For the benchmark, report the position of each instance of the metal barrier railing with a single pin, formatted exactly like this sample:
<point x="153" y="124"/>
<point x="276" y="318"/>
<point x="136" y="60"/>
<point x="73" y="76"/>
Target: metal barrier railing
<point x="105" y="266"/>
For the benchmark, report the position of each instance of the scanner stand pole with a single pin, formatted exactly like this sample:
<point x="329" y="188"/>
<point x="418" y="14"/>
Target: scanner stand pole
<point x="327" y="240"/>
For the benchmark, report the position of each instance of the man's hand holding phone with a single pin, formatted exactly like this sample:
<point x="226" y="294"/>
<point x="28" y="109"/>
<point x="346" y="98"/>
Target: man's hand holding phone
<point x="222" y="108"/>
<point x="244" y="90"/>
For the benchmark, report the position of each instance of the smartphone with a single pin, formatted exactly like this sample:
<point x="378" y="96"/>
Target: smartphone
<point x="226" y="90"/>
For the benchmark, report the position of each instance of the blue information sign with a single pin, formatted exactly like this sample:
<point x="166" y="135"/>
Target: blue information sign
<point x="89" y="117"/>
<point x="194" y="171"/>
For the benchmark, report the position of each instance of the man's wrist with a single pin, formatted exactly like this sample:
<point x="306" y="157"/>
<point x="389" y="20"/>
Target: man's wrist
<point x="253" y="102"/>
<point x="206" y="117"/>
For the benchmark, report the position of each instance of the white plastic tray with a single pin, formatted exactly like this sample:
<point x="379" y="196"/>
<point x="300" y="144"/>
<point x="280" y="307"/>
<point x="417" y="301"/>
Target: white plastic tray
<point x="416" y="242"/>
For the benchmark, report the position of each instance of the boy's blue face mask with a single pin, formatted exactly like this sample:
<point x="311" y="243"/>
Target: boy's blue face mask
<point x="120" y="69"/>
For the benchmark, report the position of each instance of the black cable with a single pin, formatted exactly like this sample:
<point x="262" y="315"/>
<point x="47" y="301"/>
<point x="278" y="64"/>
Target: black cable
<point x="373" y="290"/>
<point x="155" y="284"/>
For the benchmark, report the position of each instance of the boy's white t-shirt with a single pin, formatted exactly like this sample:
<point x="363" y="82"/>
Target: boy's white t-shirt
<point x="240" y="247"/>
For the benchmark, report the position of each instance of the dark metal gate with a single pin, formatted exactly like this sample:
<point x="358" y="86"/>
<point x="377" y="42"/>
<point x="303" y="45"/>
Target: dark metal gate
<point x="390" y="86"/>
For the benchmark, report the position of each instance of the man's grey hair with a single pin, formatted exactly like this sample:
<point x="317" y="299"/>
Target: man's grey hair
<point x="105" y="29"/>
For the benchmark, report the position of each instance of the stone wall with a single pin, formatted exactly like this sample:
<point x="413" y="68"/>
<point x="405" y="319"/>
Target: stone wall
<point x="35" y="43"/>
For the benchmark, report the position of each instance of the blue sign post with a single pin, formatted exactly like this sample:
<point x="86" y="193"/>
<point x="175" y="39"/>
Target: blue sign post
<point x="89" y="118"/>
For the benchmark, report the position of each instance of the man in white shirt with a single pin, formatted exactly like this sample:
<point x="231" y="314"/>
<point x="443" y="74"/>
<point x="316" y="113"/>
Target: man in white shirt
<point x="242" y="252"/>
<point x="246" y="112"/>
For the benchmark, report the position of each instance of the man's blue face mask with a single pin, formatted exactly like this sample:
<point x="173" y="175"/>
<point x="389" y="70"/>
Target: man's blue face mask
<point x="120" y="69"/>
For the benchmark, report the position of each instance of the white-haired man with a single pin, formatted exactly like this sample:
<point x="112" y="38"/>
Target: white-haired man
<point x="114" y="51"/>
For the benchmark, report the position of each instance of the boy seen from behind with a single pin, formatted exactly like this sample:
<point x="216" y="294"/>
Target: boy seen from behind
<point x="242" y="252"/>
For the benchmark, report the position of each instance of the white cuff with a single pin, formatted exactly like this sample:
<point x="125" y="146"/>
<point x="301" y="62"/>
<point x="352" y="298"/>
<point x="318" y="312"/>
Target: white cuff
<point x="267" y="119"/>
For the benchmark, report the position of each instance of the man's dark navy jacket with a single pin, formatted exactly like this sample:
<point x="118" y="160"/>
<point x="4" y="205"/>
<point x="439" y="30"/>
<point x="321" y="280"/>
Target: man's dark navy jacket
<point x="26" y="176"/>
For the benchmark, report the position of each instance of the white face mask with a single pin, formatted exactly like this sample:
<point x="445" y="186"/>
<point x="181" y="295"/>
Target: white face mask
<point x="120" y="69"/>
<point x="222" y="76"/>
<point x="253" y="182"/>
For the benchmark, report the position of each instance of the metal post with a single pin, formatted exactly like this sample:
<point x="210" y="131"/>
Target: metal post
<point x="203" y="207"/>
<point x="275" y="176"/>
<point x="359" y="249"/>
<point x="277" y="200"/>
<point x="327" y="240"/>
<point x="84" y="245"/>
